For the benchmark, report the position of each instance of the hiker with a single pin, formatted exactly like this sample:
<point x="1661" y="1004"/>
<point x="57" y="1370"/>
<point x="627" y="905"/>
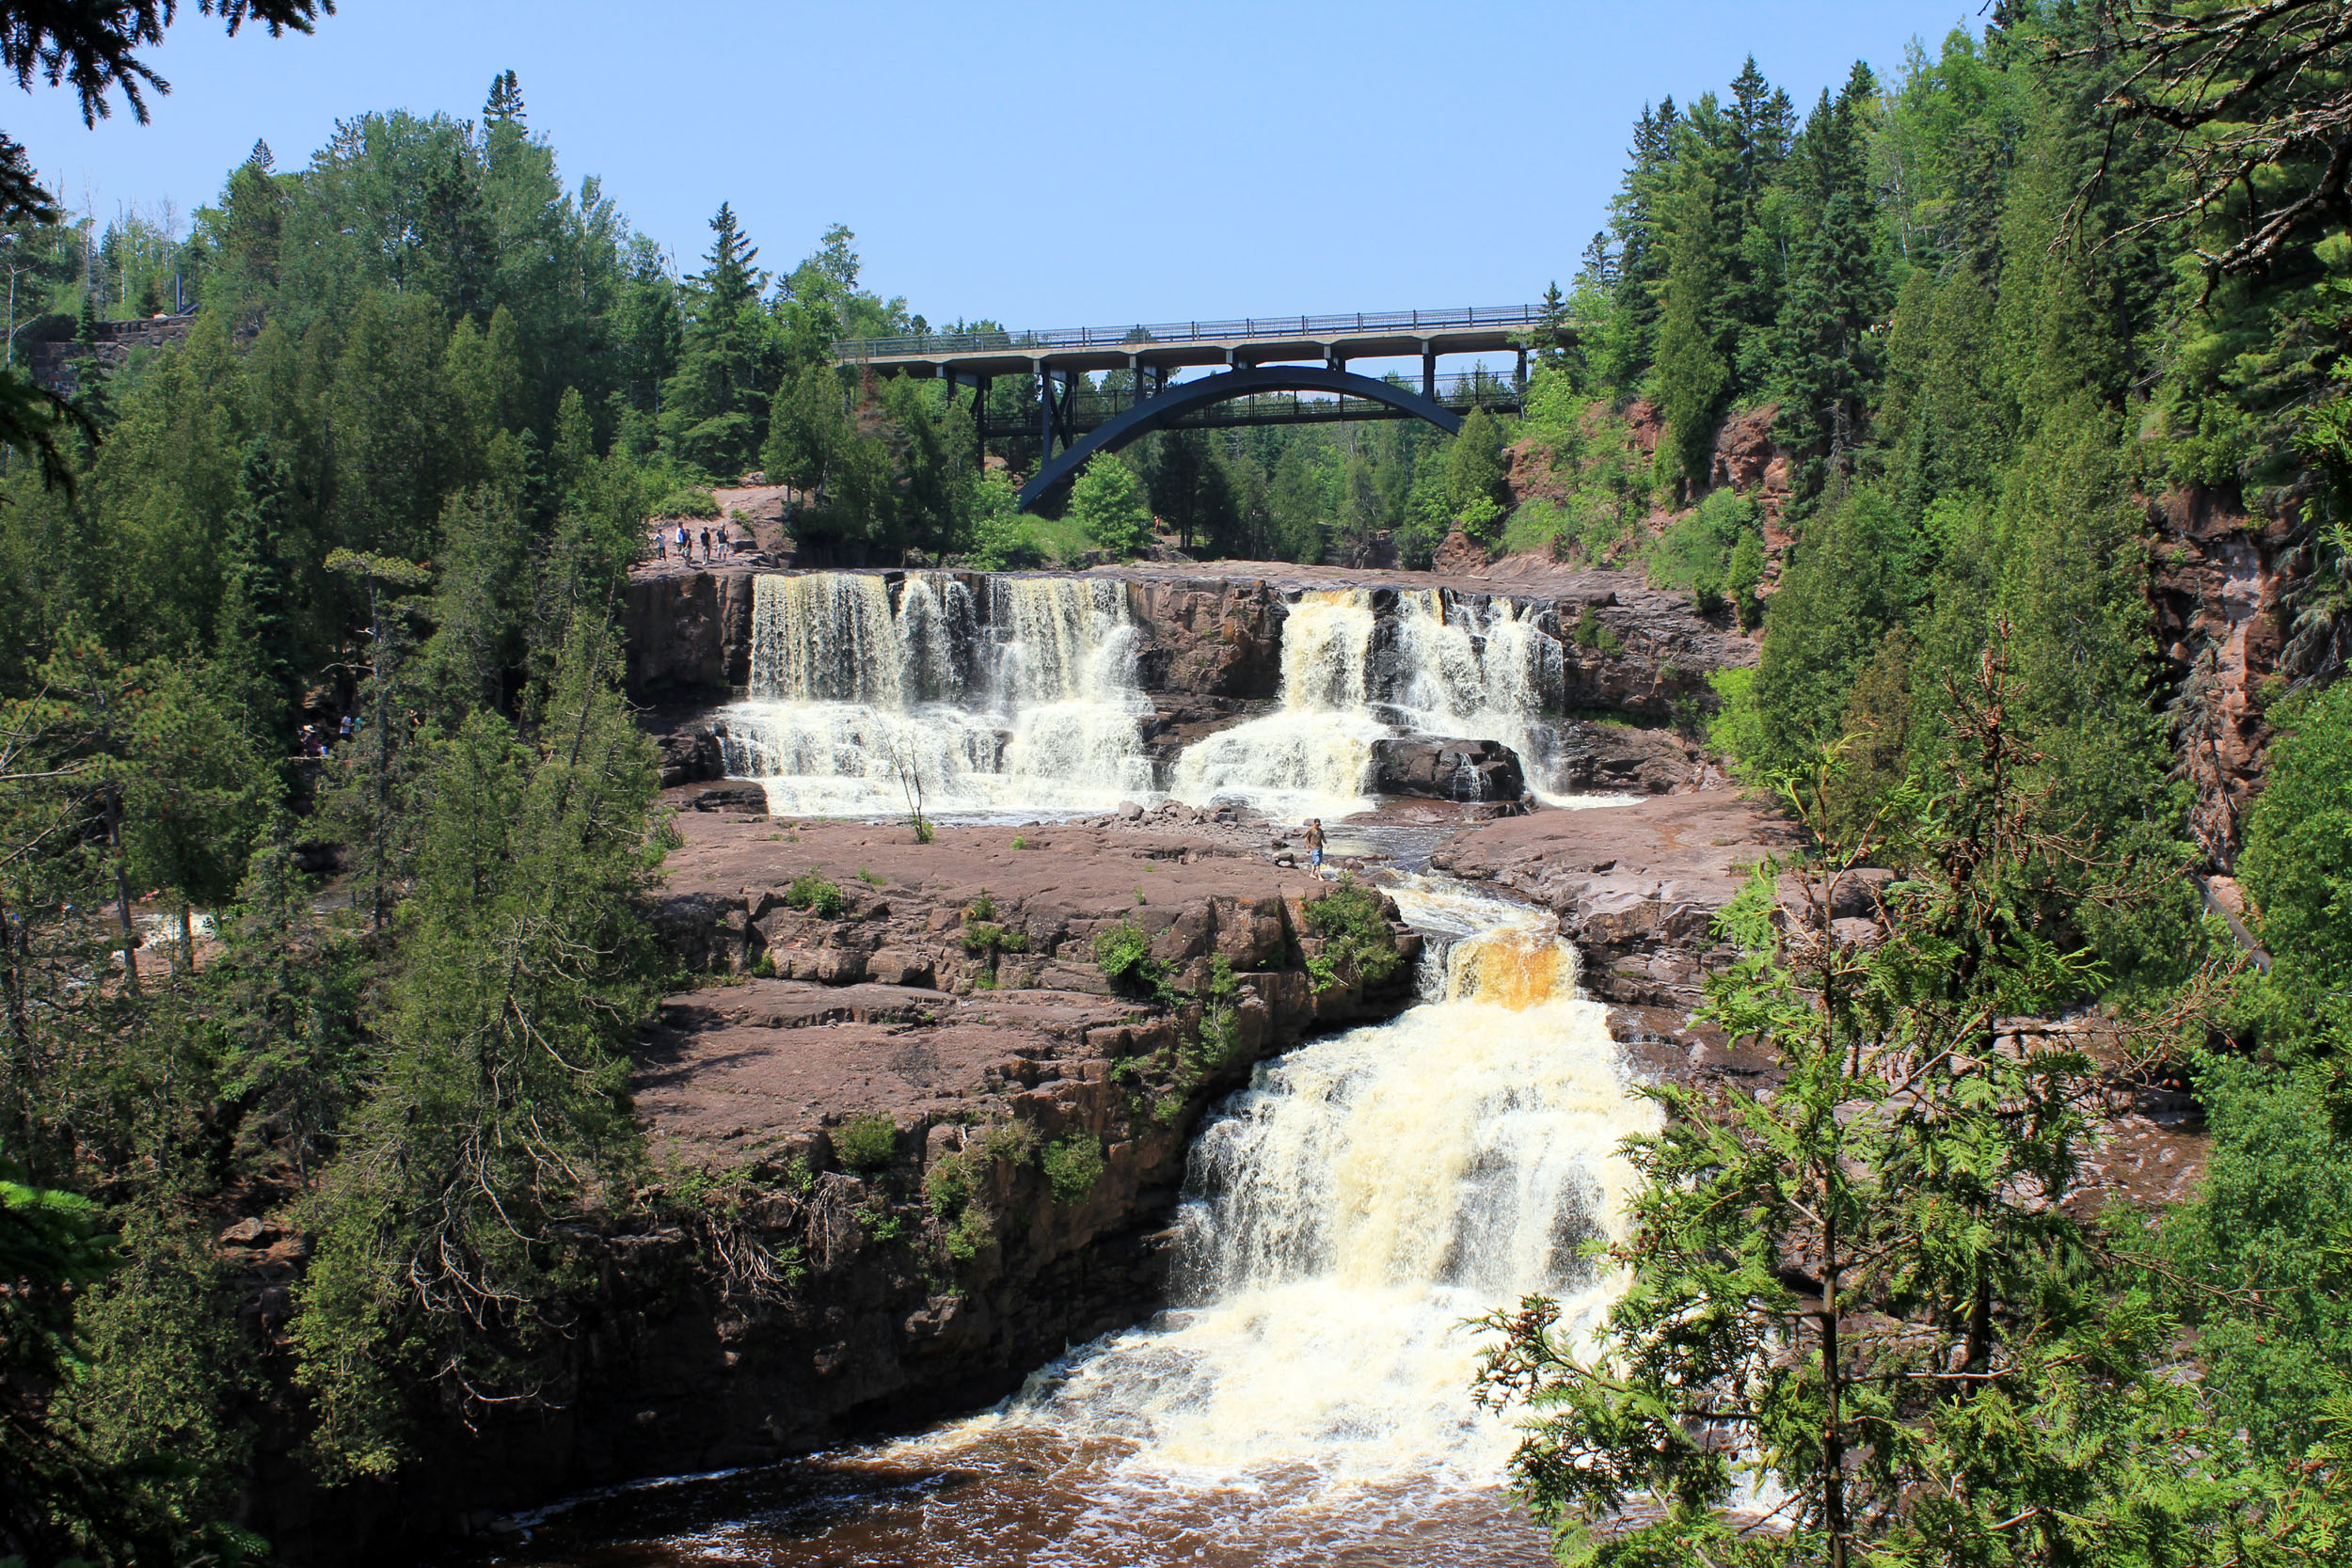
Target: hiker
<point x="685" y="549"/>
<point x="706" y="547"/>
<point x="1314" y="845"/>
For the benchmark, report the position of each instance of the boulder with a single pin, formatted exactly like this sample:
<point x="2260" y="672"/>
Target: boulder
<point x="1448" y="769"/>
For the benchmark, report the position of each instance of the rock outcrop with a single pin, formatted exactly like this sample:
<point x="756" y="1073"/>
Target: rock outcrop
<point x="2215" y="594"/>
<point x="938" y="1142"/>
<point x="1636" y="887"/>
<point x="1434" y="769"/>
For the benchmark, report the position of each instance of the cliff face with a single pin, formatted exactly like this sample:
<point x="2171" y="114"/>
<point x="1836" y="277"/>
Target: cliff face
<point x="953" y="1138"/>
<point x="687" y="631"/>
<point x="2213" y="598"/>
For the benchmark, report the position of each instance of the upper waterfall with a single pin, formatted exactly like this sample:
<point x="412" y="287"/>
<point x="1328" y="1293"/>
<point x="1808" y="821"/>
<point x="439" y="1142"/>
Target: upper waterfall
<point x="1357" y="668"/>
<point x="1024" y="699"/>
<point x="1313" y="757"/>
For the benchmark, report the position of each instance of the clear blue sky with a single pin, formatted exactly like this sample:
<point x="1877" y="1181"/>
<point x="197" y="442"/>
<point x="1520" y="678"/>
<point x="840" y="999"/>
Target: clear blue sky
<point x="1044" y="164"/>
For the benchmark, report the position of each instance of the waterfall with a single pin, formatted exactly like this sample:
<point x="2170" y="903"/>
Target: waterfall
<point x="1344" y="1216"/>
<point x="1440" y="664"/>
<point x="1026" y="701"/>
<point x="1311" y="757"/>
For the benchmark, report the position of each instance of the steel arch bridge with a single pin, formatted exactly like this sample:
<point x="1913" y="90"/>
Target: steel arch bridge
<point x="1170" y="406"/>
<point x="1257" y="360"/>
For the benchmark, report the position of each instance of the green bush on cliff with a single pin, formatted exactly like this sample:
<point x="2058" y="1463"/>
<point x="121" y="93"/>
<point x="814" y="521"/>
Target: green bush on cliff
<point x="1355" y="927"/>
<point x="816" y="894"/>
<point x="867" y="1143"/>
<point x="1073" y="1165"/>
<point x="1124" y="953"/>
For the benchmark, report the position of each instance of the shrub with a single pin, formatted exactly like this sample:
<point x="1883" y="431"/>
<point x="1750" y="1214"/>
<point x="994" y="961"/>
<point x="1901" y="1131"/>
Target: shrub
<point x="1703" y="551"/>
<point x="687" y="500"/>
<point x="974" y="1230"/>
<point x="951" y="1183"/>
<point x="1356" y="931"/>
<point x="1124" y="953"/>
<point x="1074" y="1166"/>
<point x="1012" y="1141"/>
<point x="867" y="1143"/>
<point x="814" y="892"/>
<point x="867" y="877"/>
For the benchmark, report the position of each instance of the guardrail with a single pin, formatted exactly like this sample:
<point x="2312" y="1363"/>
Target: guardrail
<point x="1199" y="331"/>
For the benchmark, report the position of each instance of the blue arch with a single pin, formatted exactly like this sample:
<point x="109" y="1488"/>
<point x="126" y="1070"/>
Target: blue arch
<point x="1185" y="396"/>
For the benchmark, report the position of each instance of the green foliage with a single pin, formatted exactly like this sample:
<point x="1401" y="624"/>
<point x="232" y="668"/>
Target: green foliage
<point x="867" y="1143"/>
<point x="813" y="890"/>
<point x="2298" y="865"/>
<point x="1073" y="1164"/>
<point x="1979" y="1361"/>
<point x="1475" y="475"/>
<point x="1353" y="921"/>
<point x="1124" y="952"/>
<point x="1108" y="504"/>
<point x="1010" y="1141"/>
<point x="1700" y="551"/>
<point x="685" y="500"/>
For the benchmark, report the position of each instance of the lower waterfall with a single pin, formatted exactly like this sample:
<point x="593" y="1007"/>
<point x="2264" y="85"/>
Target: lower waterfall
<point x="1349" y="1210"/>
<point x="1307" y="1399"/>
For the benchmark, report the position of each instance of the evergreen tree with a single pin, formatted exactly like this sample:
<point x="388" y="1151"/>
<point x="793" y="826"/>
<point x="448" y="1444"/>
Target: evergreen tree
<point x="713" y="417"/>
<point x="503" y="1097"/>
<point x="1634" y="219"/>
<point x="1694" y="372"/>
<point x="504" y="104"/>
<point x="1826" y="370"/>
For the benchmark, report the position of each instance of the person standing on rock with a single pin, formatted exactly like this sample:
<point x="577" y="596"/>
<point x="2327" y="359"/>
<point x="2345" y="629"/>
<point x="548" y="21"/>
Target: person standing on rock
<point x="1314" y="845"/>
<point x="685" y="546"/>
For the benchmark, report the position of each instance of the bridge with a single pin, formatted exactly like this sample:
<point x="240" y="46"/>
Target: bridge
<point x="1263" y="366"/>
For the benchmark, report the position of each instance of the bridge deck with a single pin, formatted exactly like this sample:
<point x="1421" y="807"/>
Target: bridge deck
<point x="1171" y="346"/>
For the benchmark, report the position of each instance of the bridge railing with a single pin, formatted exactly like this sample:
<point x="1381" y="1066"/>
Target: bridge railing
<point x="1050" y="338"/>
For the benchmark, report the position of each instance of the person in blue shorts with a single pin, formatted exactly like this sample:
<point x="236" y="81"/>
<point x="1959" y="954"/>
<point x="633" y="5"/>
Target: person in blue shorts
<point x="1314" y="844"/>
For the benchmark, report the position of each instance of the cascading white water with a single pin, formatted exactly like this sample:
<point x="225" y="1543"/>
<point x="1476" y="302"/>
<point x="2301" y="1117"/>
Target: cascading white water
<point x="1481" y="671"/>
<point x="1345" y="1216"/>
<point x="851" y="696"/>
<point x="1450" y="666"/>
<point x="1313" y="756"/>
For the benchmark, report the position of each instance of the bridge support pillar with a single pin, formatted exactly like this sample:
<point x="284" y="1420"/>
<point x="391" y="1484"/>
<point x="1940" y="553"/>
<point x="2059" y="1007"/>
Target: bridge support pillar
<point x="1520" y="381"/>
<point x="1428" y="374"/>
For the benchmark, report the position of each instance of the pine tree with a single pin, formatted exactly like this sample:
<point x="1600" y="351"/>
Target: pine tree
<point x="1826" y="370"/>
<point x="1694" y="371"/>
<point x="502" y="1102"/>
<point x="1633" y="218"/>
<point x="713" y="417"/>
<point x="504" y="105"/>
<point x="1551" y="328"/>
<point x="1867" y="1284"/>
